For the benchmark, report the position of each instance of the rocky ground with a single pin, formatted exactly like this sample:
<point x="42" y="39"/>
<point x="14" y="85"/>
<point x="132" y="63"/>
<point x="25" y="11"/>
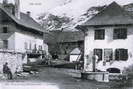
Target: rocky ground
<point x="59" y="78"/>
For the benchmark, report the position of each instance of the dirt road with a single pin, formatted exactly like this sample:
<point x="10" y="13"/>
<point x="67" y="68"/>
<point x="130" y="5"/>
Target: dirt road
<point x="57" y="78"/>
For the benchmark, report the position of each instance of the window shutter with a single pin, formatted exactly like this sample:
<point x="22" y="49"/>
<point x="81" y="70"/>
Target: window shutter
<point x="117" y="54"/>
<point x="115" y="34"/>
<point x="121" y="54"/>
<point x="99" y="34"/>
<point x="125" y="54"/>
<point x="125" y="33"/>
<point x="120" y="33"/>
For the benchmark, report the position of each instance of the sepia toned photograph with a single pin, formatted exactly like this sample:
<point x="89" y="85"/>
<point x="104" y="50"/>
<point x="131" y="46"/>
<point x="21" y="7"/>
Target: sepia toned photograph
<point x="66" y="44"/>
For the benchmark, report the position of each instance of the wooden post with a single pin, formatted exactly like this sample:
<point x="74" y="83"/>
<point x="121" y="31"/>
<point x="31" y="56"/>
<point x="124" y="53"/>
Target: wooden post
<point x="94" y="64"/>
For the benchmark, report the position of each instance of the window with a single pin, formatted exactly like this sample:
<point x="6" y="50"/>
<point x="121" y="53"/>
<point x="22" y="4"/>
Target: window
<point x="30" y="46"/>
<point x="98" y="52"/>
<point x="120" y="33"/>
<point x="35" y="47"/>
<point x="26" y="45"/>
<point x="121" y="54"/>
<point x="99" y="34"/>
<point x="5" y="30"/>
<point x="5" y="44"/>
<point x="41" y="47"/>
<point x="108" y="54"/>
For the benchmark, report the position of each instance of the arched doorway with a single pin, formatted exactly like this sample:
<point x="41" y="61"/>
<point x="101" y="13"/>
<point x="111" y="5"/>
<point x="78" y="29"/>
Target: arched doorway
<point x="113" y="70"/>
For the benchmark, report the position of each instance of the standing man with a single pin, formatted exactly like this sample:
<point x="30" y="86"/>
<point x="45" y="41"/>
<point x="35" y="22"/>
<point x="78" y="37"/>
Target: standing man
<point x="7" y="72"/>
<point x="94" y="61"/>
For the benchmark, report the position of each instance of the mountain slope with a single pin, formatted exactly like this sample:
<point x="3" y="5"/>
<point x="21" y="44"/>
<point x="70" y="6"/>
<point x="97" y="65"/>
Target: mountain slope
<point x="55" y="20"/>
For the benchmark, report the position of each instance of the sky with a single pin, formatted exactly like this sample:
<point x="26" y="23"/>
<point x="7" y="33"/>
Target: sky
<point x="61" y="7"/>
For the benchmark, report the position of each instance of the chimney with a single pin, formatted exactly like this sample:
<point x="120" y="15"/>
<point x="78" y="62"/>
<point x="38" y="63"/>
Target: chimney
<point x="5" y="1"/>
<point x="29" y="13"/>
<point x="8" y="6"/>
<point x="17" y="9"/>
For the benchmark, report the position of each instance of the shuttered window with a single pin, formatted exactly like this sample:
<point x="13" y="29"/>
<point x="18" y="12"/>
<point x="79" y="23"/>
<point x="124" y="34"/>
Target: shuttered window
<point x="99" y="34"/>
<point x="5" y="29"/>
<point x="121" y="54"/>
<point x="108" y="54"/>
<point x="120" y="33"/>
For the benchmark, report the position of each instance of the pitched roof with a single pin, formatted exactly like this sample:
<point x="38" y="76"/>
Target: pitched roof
<point x="25" y="21"/>
<point x="71" y="36"/>
<point x="30" y="21"/>
<point x="62" y="37"/>
<point x="76" y="51"/>
<point x="113" y="14"/>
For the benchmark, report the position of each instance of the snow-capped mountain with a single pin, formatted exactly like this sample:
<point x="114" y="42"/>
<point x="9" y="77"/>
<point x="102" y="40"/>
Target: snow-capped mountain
<point x="55" y="20"/>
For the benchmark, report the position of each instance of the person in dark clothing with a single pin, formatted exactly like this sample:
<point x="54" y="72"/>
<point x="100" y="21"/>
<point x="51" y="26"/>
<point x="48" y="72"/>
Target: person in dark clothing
<point x="55" y="56"/>
<point x="6" y="71"/>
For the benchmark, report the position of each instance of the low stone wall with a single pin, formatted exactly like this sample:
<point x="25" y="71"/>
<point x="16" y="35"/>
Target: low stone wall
<point x="14" y="59"/>
<point x="98" y="76"/>
<point x="118" y="76"/>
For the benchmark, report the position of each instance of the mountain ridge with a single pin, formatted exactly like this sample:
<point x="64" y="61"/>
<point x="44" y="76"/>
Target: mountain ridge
<point x="71" y="22"/>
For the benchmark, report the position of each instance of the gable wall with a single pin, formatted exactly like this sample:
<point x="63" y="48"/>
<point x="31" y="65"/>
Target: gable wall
<point x="18" y="36"/>
<point x="108" y="42"/>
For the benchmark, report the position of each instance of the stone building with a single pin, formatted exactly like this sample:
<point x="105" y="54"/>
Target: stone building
<point x="19" y="33"/>
<point x="109" y="35"/>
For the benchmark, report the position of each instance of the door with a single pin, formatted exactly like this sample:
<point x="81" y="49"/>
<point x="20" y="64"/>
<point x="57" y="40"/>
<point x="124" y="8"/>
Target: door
<point x="98" y="52"/>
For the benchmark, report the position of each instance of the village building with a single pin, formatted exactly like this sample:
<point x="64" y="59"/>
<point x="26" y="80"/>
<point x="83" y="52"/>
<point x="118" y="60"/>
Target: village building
<point x="19" y="32"/>
<point x="62" y="43"/>
<point x="109" y="35"/>
<point x="75" y="55"/>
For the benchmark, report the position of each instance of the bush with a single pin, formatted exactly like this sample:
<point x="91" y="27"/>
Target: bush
<point x="129" y="71"/>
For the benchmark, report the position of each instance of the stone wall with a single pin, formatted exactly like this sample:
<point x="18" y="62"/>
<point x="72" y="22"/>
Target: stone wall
<point x="15" y="60"/>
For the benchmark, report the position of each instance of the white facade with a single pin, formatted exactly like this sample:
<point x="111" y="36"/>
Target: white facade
<point x="21" y="42"/>
<point x="108" y="43"/>
<point x="75" y="55"/>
